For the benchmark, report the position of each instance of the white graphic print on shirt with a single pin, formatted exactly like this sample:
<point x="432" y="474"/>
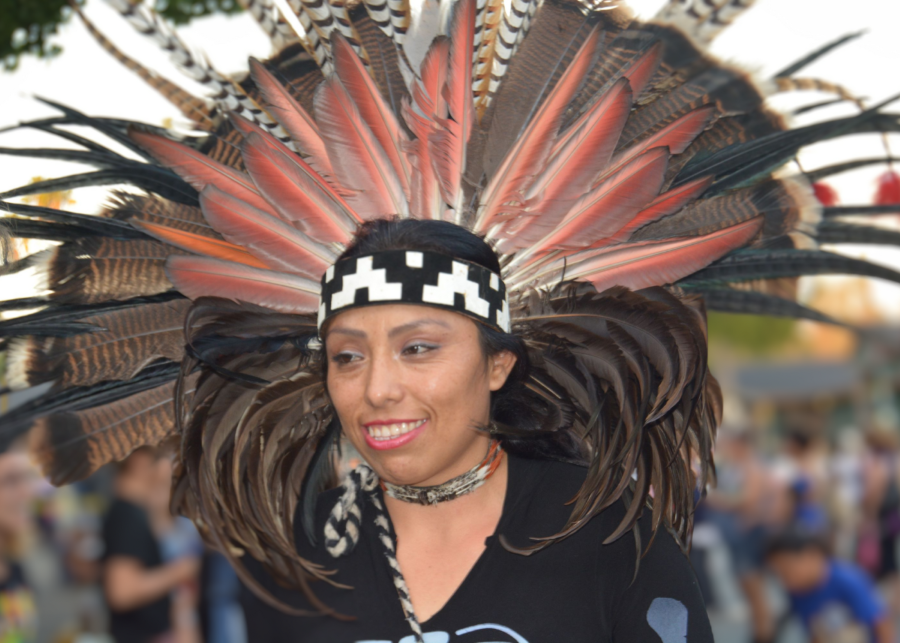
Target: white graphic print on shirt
<point x="444" y="637"/>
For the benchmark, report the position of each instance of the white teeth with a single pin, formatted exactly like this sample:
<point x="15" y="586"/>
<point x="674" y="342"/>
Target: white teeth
<point x="390" y="431"/>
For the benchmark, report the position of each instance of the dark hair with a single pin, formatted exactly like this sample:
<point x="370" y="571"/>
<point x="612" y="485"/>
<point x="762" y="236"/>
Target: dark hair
<point x="513" y="408"/>
<point x="795" y="540"/>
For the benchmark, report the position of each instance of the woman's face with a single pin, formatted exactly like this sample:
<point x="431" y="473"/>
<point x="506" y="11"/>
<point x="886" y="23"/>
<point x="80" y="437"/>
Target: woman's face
<point x="410" y="385"/>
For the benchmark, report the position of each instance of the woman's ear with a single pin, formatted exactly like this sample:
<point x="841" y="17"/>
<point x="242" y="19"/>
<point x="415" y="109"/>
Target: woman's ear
<point x="500" y="365"/>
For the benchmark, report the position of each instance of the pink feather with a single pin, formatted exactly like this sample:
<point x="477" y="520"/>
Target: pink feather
<point x="569" y="174"/>
<point x="293" y="118"/>
<point x="637" y="75"/>
<point x="531" y="150"/>
<point x="297" y="193"/>
<point x="676" y="135"/>
<point x="281" y="246"/>
<point x="198" y="277"/>
<point x="662" y="206"/>
<point x="447" y="145"/>
<point x="356" y="155"/>
<point x="428" y="104"/>
<point x="373" y="109"/>
<point x="652" y="263"/>
<point x="610" y="206"/>
<point x="199" y="170"/>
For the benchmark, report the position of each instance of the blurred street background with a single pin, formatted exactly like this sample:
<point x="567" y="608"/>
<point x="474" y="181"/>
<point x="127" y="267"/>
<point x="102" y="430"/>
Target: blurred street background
<point x="810" y="443"/>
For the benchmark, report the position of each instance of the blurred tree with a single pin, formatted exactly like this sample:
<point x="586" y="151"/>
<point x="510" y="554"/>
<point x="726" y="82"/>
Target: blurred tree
<point x="750" y="334"/>
<point x="26" y="26"/>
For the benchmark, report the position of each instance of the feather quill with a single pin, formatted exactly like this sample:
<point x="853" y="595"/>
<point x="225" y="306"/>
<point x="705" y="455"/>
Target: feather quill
<point x="653" y="263"/>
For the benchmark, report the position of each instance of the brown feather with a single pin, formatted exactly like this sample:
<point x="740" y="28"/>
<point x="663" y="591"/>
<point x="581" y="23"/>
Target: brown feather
<point x="71" y="446"/>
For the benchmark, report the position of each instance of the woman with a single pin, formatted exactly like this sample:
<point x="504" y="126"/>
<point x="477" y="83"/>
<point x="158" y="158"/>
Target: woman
<point x="623" y="177"/>
<point x="419" y="391"/>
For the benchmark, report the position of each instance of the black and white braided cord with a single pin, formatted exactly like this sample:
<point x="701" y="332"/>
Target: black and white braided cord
<point x="343" y="525"/>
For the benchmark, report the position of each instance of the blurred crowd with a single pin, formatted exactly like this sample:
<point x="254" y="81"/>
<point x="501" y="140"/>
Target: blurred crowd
<point x="810" y="526"/>
<point x="105" y="561"/>
<point x="799" y="535"/>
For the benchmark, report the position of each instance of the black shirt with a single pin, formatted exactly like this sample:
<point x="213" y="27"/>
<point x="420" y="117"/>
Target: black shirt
<point x="126" y="532"/>
<point x="577" y="590"/>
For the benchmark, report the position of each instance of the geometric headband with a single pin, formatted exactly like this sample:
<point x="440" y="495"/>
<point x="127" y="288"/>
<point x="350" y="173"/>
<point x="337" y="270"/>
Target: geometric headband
<point x="415" y="277"/>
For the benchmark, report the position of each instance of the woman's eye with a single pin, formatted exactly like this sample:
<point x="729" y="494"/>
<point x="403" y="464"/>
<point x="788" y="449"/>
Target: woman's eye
<point x="418" y="349"/>
<point x="344" y="358"/>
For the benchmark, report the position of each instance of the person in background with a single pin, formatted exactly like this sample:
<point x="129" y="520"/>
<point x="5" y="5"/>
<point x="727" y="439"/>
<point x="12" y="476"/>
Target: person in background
<point x="18" y="617"/>
<point x="740" y="507"/>
<point x="136" y="582"/>
<point x="808" y="486"/>
<point x="880" y="529"/>
<point x="178" y="539"/>
<point x="836" y="601"/>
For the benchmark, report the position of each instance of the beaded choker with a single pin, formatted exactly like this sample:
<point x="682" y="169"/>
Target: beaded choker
<point x="458" y="486"/>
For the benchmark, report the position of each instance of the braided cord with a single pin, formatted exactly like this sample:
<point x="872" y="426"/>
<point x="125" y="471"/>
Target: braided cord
<point x="342" y="532"/>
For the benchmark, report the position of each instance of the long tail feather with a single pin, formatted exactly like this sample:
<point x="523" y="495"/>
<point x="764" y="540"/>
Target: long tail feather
<point x="448" y="144"/>
<point x="277" y="244"/>
<point x="531" y="150"/>
<point x="357" y="156"/>
<point x="293" y="118"/>
<point x="202" y="277"/>
<point x="296" y="192"/>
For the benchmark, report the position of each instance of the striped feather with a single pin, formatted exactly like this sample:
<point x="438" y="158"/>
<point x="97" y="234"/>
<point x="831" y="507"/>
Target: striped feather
<point x="71" y="446"/>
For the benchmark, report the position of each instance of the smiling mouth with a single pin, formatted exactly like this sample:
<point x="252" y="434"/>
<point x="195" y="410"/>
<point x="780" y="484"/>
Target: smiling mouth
<point x="385" y="432"/>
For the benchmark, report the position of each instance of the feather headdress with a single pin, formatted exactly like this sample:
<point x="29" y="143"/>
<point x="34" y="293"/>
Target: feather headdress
<point x="627" y="178"/>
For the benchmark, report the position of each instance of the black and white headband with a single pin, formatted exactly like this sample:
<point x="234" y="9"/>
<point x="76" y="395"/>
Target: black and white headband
<point x="415" y="277"/>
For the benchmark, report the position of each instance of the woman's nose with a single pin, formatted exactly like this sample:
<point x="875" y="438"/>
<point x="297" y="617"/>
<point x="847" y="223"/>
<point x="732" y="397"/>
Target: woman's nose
<point x="384" y="385"/>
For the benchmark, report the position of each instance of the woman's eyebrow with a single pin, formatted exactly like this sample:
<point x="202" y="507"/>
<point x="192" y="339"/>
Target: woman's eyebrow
<point x="352" y="332"/>
<point x="397" y="330"/>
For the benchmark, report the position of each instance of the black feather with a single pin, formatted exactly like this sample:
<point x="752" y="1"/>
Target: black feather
<point x="319" y="471"/>
<point x="745" y="265"/>
<point x="830" y="231"/>
<point x="148" y="177"/>
<point x="792" y="69"/>
<point x="748" y="302"/>
<point x="839" y="168"/>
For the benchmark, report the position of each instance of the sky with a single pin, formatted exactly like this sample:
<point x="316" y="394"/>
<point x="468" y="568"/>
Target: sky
<point x="773" y="34"/>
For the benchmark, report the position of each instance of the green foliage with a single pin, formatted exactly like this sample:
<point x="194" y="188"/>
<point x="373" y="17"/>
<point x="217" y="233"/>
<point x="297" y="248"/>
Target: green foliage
<point x="750" y="333"/>
<point x="26" y="26"/>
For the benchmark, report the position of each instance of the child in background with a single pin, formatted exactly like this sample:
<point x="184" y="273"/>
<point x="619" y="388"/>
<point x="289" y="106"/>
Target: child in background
<point x="836" y="601"/>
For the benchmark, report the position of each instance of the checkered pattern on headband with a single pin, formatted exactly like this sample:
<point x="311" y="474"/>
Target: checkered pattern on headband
<point x="415" y="277"/>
